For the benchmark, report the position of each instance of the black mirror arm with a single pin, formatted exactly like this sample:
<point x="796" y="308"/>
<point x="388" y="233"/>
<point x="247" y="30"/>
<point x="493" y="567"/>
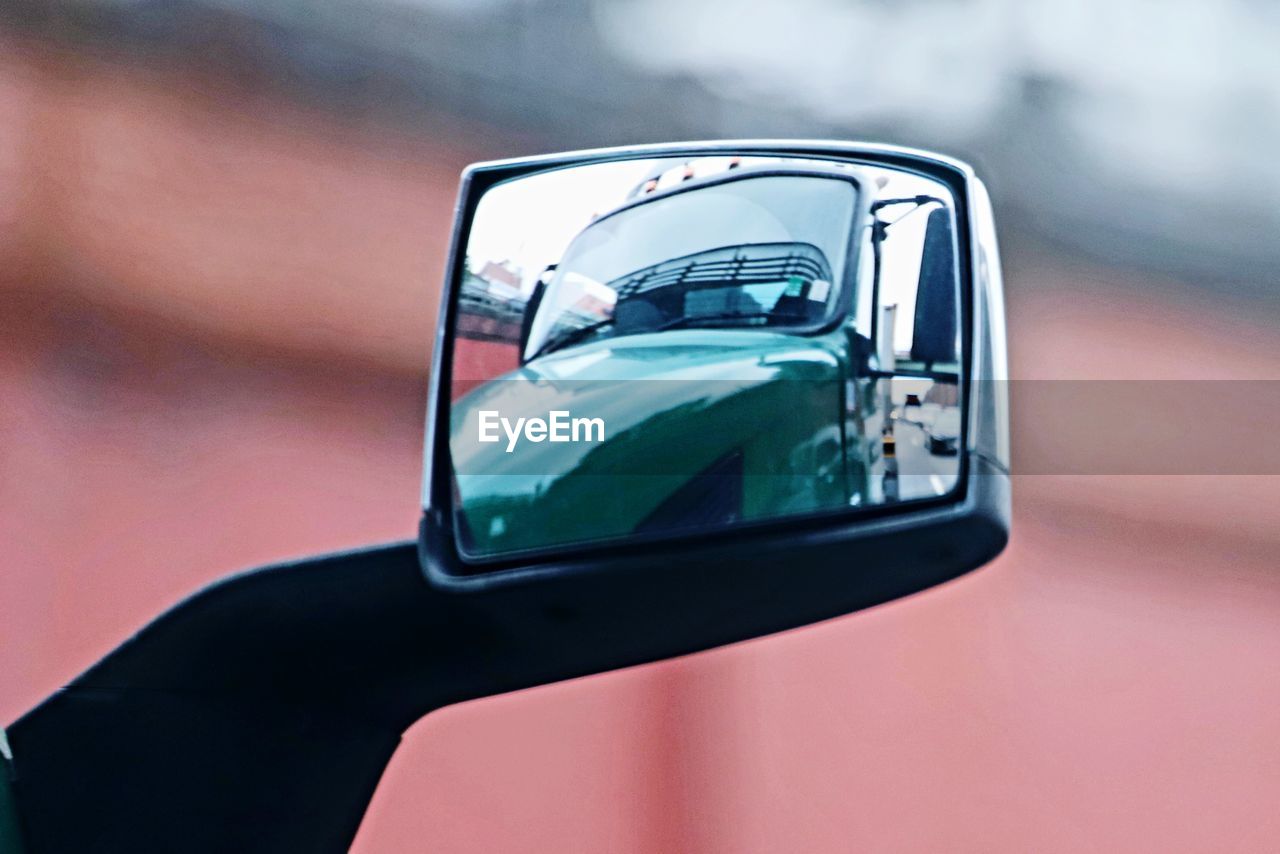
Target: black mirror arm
<point x="257" y="715"/>
<point x="260" y="713"/>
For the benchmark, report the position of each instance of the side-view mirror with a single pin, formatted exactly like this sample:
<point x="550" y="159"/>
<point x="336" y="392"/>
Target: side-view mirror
<point x="937" y="302"/>
<point x="692" y="451"/>
<point x="682" y="395"/>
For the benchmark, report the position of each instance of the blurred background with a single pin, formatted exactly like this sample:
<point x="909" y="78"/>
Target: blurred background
<point x="222" y="227"/>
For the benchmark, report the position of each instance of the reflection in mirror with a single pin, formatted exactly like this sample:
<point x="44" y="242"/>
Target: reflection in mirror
<point x="670" y="345"/>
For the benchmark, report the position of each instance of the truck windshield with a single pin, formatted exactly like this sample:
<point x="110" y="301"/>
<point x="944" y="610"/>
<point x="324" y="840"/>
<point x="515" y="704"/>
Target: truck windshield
<point x="757" y="251"/>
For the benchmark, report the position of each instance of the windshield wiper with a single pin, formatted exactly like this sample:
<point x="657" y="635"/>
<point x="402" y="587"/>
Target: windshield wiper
<point x="571" y="337"/>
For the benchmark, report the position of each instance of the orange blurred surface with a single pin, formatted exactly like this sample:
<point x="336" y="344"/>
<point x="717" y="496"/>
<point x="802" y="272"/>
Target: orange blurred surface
<point x="213" y="354"/>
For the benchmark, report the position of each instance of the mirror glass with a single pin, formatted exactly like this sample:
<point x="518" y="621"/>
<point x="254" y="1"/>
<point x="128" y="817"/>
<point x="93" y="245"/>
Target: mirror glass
<point x="662" y="346"/>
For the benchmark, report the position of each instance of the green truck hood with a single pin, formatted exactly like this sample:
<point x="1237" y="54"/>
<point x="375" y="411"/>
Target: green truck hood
<point x="672" y="404"/>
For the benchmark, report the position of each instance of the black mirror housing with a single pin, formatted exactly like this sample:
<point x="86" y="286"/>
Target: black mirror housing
<point x="647" y="600"/>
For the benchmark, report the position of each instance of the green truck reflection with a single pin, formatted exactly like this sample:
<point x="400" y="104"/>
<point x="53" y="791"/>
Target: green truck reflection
<point x="729" y="400"/>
